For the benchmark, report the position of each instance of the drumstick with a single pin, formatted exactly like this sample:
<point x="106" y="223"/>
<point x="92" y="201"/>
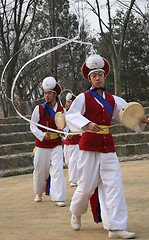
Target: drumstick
<point x="115" y="125"/>
<point x="47" y="126"/>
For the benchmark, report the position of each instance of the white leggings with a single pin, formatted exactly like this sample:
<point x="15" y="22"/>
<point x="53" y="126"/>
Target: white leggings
<point x="71" y="154"/>
<point x="102" y="170"/>
<point x="49" y="161"/>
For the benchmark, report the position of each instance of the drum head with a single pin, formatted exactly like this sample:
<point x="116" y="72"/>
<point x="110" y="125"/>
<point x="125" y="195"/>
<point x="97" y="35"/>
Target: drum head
<point x="131" y="114"/>
<point x="60" y="120"/>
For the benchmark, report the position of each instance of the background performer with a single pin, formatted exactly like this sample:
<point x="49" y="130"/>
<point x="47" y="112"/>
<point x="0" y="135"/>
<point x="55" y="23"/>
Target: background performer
<point x="71" y="147"/>
<point x="48" y="157"/>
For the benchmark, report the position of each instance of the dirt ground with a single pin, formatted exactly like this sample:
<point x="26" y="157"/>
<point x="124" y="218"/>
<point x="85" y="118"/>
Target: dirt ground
<point x="23" y="219"/>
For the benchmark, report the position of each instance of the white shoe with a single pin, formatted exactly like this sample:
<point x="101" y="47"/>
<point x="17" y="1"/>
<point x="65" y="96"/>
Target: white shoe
<point x="60" y="204"/>
<point x="75" y="222"/>
<point x="121" y="234"/>
<point x="38" y="198"/>
<point x="73" y="184"/>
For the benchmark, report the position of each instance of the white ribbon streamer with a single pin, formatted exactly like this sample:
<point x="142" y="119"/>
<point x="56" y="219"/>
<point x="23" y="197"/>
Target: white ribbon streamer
<point x="40" y="40"/>
<point x="33" y="59"/>
<point x="68" y="90"/>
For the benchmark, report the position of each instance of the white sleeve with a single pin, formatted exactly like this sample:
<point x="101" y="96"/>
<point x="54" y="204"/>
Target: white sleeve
<point x="74" y="117"/>
<point x="119" y="104"/>
<point x="34" y="129"/>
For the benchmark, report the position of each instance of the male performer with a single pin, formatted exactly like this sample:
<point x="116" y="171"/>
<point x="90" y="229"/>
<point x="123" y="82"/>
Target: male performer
<point x="48" y="157"/>
<point x="71" y="147"/>
<point x="98" y="165"/>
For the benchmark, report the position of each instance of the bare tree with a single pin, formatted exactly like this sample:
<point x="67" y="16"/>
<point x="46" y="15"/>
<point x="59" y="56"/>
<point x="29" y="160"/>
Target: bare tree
<point x="115" y="51"/>
<point x="16" y="20"/>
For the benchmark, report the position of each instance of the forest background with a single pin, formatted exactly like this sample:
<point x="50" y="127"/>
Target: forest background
<point x="122" y="39"/>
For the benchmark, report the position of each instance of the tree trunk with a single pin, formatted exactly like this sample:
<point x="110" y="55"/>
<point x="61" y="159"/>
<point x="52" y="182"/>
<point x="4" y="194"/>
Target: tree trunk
<point x="117" y="75"/>
<point x="10" y="108"/>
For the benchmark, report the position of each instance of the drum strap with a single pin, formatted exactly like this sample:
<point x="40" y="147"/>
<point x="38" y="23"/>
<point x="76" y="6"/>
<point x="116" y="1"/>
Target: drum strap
<point x="102" y="100"/>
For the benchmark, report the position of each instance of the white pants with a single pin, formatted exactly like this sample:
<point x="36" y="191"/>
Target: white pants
<point x="49" y="161"/>
<point x="71" y="154"/>
<point x="102" y="170"/>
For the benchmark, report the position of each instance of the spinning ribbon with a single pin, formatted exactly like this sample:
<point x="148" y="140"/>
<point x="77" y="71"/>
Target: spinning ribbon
<point x="68" y="90"/>
<point x="35" y="58"/>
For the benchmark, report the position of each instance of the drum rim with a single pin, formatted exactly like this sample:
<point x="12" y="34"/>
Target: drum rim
<point x="125" y="108"/>
<point x="60" y="120"/>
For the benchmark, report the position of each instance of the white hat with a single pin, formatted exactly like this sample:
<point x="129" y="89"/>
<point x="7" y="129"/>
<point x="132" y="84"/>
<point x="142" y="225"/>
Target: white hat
<point x="95" y="63"/>
<point x="70" y="97"/>
<point x="49" y="84"/>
